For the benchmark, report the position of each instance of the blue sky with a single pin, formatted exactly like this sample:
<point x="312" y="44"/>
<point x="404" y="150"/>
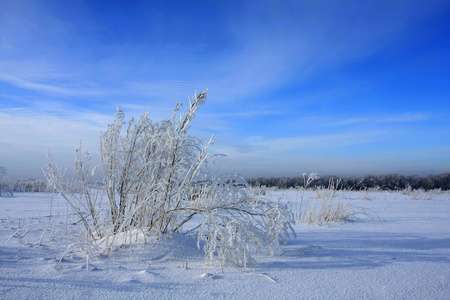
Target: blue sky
<point x="335" y="87"/>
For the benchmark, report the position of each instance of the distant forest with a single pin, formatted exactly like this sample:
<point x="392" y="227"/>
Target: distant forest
<point x="383" y="182"/>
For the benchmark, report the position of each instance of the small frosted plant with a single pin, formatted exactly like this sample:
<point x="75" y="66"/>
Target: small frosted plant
<point x="307" y="181"/>
<point x="329" y="210"/>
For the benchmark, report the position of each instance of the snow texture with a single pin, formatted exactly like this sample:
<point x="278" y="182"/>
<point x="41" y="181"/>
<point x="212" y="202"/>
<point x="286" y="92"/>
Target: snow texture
<point x="399" y="250"/>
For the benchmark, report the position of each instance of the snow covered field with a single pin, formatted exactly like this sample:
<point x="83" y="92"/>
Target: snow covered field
<point x="400" y="250"/>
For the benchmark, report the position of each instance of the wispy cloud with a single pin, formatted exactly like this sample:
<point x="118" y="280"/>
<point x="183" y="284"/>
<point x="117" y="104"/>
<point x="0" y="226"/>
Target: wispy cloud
<point x="271" y="147"/>
<point x="26" y="135"/>
<point x="35" y="86"/>
<point x="305" y="39"/>
<point x="400" y="118"/>
<point x="53" y="89"/>
<point x="24" y="125"/>
<point x="408" y="118"/>
<point x="262" y="56"/>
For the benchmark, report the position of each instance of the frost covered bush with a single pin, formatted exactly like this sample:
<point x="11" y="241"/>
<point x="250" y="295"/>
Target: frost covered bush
<point x="156" y="181"/>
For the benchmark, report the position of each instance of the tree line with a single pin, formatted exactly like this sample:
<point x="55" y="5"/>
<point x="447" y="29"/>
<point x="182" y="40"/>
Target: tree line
<point x="9" y="187"/>
<point x="383" y="182"/>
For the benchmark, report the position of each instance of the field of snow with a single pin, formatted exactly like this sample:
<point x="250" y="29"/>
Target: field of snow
<point x="398" y="249"/>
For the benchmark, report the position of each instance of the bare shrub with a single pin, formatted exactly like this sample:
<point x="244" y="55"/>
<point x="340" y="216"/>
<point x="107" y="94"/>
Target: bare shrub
<point x="156" y="181"/>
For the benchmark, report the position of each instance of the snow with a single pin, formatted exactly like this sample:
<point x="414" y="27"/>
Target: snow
<point x="401" y="250"/>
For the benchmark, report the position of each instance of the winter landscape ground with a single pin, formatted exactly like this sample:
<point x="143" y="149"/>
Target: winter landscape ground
<point x="396" y="247"/>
